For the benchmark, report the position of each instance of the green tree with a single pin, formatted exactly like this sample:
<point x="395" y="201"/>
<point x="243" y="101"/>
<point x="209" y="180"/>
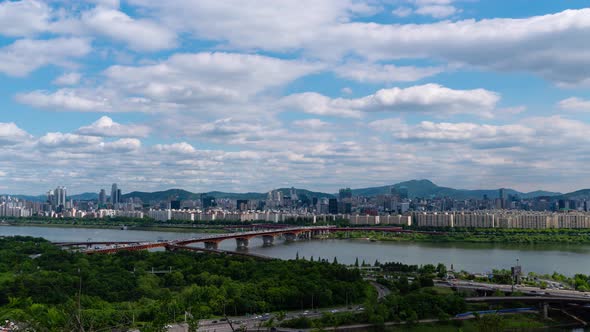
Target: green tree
<point x="490" y="323"/>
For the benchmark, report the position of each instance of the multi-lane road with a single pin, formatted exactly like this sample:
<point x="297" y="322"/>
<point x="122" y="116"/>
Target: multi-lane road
<point x="528" y="290"/>
<point x="257" y="321"/>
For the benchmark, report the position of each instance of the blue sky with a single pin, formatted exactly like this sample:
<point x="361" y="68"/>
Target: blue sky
<point x="250" y="96"/>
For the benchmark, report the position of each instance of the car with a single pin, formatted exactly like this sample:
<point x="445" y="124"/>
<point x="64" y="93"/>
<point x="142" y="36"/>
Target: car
<point x="334" y="311"/>
<point x="223" y="319"/>
<point x="214" y="322"/>
<point x="306" y="312"/>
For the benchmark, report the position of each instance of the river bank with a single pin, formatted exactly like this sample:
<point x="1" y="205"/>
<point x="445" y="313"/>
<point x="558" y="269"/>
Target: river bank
<point x="475" y="236"/>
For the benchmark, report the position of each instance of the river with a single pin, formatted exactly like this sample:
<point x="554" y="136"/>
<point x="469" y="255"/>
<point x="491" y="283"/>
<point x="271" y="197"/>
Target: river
<point x="566" y="259"/>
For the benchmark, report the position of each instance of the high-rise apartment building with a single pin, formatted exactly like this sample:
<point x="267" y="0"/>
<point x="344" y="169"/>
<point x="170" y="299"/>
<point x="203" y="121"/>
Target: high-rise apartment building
<point x="51" y="197"/>
<point x="60" y="194"/>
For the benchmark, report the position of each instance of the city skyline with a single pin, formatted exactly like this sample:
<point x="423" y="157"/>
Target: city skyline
<point x="416" y="184"/>
<point x="202" y="96"/>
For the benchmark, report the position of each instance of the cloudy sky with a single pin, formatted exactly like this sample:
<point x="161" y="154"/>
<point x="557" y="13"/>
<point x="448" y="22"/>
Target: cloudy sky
<point x="242" y="95"/>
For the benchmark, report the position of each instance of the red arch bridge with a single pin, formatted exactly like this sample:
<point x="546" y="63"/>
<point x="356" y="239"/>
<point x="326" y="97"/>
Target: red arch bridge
<point x="212" y="241"/>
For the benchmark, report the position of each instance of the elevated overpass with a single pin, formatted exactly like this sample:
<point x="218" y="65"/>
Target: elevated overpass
<point x="542" y="301"/>
<point x="529" y="299"/>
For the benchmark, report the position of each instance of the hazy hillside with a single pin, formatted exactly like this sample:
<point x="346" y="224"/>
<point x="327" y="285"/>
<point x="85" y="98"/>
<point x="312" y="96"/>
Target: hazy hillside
<point x="427" y="189"/>
<point x="416" y="188"/>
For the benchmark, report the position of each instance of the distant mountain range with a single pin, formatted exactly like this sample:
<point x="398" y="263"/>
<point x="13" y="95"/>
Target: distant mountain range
<point x="42" y="198"/>
<point x="183" y="194"/>
<point x="415" y="188"/>
<point x="427" y="189"/>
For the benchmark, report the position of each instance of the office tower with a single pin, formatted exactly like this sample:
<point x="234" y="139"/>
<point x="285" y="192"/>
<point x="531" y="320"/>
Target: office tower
<point x="207" y="201"/>
<point x="175" y="205"/>
<point x="114" y="194"/>
<point x="102" y="197"/>
<point x="345" y="204"/>
<point x="344" y="194"/>
<point x="333" y="206"/>
<point x="502" y="194"/>
<point x="573" y="204"/>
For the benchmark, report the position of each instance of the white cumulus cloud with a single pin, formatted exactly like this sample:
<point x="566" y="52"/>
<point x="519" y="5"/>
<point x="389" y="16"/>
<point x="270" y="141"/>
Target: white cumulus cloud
<point x="575" y="104"/>
<point x="63" y="99"/>
<point x="428" y="98"/>
<point x="10" y="133"/>
<point x="106" y="127"/>
<point x="139" y="34"/>
<point x="68" y="79"/>
<point x="26" y="55"/>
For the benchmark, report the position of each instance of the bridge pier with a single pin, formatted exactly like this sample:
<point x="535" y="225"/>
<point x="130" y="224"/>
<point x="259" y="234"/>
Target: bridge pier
<point x="211" y="245"/>
<point x="242" y="243"/>
<point x="268" y="240"/>
<point x="290" y="237"/>
<point x="545" y="310"/>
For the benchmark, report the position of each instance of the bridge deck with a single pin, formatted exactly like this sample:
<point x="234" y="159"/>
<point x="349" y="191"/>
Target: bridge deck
<point x="548" y="299"/>
<point x="137" y="245"/>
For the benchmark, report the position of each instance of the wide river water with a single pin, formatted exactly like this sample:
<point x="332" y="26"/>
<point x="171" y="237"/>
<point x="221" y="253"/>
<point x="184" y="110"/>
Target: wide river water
<point x="566" y="259"/>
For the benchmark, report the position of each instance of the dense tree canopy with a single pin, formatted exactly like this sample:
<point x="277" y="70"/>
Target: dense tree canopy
<point x="41" y="284"/>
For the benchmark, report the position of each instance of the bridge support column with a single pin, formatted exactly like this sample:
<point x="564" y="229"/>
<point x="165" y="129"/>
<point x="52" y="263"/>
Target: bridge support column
<point x="268" y="240"/>
<point x="242" y="243"/>
<point x="290" y="237"/>
<point x="545" y="310"/>
<point x="211" y="245"/>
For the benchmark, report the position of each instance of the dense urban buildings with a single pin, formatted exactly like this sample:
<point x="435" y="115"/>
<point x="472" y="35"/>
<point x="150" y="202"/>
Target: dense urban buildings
<point x="396" y="207"/>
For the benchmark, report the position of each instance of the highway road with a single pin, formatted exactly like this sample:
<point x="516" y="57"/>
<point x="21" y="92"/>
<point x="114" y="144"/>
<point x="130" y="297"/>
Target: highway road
<point x="382" y="291"/>
<point x="534" y="291"/>
<point x="256" y="321"/>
